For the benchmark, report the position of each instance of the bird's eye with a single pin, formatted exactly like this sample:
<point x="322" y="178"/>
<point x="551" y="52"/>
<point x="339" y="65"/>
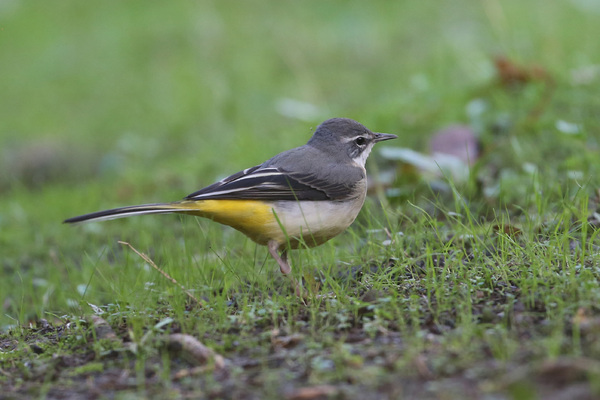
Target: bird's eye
<point x="360" y="141"/>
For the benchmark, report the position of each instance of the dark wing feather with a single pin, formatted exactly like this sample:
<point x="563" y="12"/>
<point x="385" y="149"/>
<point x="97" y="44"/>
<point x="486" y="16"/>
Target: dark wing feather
<point x="333" y="190"/>
<point x="272" y="183"/>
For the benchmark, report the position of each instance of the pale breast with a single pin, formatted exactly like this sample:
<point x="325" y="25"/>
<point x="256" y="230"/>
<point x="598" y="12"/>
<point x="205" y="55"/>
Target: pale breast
<point x="313" y="222"/>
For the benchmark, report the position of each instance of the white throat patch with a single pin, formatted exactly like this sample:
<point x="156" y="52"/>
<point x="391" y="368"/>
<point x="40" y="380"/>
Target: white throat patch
<point x="362" y="157"/>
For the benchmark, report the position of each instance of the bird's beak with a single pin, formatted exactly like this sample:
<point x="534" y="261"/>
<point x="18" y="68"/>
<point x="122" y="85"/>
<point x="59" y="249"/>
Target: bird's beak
<point x="380" y="137"/>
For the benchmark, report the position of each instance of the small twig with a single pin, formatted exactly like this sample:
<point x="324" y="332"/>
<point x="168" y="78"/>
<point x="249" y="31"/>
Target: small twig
<point x="149" y="261"/>
<point x="389" y="234"/>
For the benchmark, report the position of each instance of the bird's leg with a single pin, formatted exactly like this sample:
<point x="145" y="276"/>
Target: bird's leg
<point x="284" y="265"/>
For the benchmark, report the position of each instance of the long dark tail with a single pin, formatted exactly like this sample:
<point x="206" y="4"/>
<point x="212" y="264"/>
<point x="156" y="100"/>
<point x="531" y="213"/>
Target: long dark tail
<point x="122" y="212"/>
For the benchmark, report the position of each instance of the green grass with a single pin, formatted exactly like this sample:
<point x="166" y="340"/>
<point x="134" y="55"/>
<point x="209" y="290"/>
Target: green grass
<point x="466" y="289"/>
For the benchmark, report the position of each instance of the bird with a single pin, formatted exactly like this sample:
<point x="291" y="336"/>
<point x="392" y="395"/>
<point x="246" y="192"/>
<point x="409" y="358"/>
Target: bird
<point x="301" y="197"/>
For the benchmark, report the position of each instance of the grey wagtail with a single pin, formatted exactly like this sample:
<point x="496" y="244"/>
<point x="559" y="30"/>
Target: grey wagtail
<point x="304" y="195"/>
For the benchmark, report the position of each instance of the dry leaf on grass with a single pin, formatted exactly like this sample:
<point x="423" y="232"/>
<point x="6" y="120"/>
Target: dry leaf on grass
<point x="191" y="349"/>
<point x="511" y="73"/>
<point x="285" y="341"/>
<point x="103" y="329"/>
<point x="313" y="392"/>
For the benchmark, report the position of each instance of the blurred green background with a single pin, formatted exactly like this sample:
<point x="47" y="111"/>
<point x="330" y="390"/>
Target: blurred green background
<point x="112" y="103"/>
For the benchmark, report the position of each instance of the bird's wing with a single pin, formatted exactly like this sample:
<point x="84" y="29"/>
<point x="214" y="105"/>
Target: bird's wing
<point x="274" y="183"/>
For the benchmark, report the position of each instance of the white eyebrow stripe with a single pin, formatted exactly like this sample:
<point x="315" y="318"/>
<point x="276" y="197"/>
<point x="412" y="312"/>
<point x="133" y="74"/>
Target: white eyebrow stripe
<point x="346" y="140"/>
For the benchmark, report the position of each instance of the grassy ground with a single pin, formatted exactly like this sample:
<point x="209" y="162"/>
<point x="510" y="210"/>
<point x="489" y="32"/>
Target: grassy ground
<point x="483" y="286"/>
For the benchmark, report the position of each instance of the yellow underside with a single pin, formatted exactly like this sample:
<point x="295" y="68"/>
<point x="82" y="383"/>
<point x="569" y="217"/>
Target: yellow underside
<point x="254" y="218"/>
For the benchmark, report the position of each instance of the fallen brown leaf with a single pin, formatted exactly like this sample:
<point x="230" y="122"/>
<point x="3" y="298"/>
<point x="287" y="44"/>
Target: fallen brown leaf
<point x="191" y="348"/>
<point x="103" y="329"/>
<point x="511" y="73"/>
<point x="313" y="392"/>
<point x="287" y="341"/>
